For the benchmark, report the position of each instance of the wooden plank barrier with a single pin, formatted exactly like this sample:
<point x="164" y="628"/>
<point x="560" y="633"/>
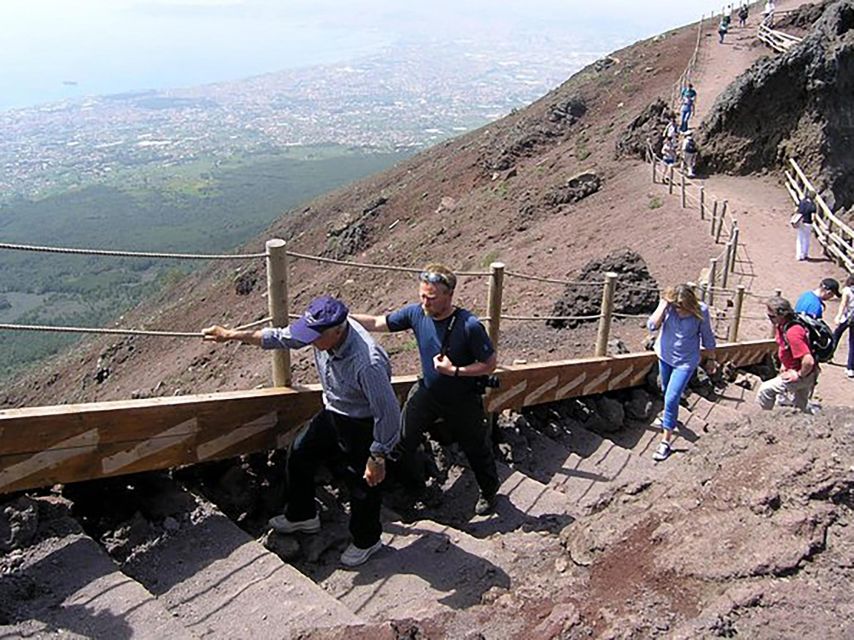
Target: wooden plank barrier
<point x="42" y="446"/>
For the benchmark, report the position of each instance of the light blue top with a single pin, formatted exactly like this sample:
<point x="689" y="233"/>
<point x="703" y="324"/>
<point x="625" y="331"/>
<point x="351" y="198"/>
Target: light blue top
<point x="356" y="380"/>
<point x="678" y="342"/>
<point x="810" y="304"/>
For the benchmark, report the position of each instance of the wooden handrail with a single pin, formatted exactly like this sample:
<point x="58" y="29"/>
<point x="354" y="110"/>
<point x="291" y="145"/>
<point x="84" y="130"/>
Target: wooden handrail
<point x="42" y="446"/>
<point x="835" y="236"/>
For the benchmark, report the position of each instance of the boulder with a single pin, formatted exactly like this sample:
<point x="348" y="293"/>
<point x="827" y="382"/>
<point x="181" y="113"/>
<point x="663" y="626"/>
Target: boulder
<point x="637" y="292"/>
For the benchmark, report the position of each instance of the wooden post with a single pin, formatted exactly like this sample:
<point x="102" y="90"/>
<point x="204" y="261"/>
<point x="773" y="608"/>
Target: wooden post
<point x="493" y="301"/>
<point x="725" y="265"/>
<point x="605" y="316"/>
<point x="682" y="187"/>
<point x="670" y="180"/>
<point x="721" y="220"/>
<point x="702" y="203"/>
<point x="713" y="276"/>
<point x="714" y="217"/>
<point x="734" y="245"/>
<point x="654" y="164"/>
<point x="277" y="305"/>
<point x="736" y="321"/>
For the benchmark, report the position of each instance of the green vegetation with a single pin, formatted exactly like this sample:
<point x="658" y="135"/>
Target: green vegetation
<point x="655" y="202"/>
<point x="490" y="257"/>
<point x="198" y="207"/>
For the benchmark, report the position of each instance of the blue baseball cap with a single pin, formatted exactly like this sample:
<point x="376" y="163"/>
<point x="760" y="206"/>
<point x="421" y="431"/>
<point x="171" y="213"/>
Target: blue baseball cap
<point x="322" y="313"/>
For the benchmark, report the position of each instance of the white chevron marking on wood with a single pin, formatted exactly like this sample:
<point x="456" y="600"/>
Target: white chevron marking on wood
<point x="213" y="447"/>
<point x="80" y="444"/>
<point x="179" y="433"/>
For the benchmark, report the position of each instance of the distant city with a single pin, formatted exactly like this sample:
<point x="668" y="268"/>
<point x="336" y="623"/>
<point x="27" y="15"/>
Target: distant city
<point x="407" y="97"/>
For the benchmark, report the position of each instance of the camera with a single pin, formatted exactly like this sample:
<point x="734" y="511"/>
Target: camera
<point x="487" y="382"/>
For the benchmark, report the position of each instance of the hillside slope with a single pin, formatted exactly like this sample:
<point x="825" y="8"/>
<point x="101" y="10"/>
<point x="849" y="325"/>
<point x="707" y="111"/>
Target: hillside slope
<point x="492" y="194"/>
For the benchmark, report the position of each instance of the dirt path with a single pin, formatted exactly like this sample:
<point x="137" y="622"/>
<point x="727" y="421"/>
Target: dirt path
<point x="762" y="207"/>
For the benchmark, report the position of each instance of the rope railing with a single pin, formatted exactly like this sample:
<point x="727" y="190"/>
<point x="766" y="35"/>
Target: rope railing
<point x="131" y="254"/>
<point x="120" y="332"/>
<point x="524" y="276"/>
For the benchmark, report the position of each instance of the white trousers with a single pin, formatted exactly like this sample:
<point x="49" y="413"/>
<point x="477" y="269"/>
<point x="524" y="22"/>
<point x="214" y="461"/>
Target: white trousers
<point x="802" y="243"/>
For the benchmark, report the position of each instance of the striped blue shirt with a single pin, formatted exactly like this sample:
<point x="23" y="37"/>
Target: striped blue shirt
<point x="356" y="380"/>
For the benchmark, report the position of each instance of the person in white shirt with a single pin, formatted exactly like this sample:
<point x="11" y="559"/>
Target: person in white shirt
<point x="689" y="155"/>
<point x="845" y="320"/>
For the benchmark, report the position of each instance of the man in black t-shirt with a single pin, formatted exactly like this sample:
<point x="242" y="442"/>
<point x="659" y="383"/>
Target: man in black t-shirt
<point x="456" y="353"/>
<point x="806" y="211"/>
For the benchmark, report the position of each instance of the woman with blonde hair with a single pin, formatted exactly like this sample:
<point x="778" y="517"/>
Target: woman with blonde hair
<point x="684" y="325"/>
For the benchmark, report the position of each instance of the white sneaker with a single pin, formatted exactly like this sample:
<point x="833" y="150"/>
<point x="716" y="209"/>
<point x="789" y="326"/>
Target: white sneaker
<point x="662" y="453"/>
<point x="281" y="524"/>
<point x="353" y="556"/>
<point x="849" y="373"/>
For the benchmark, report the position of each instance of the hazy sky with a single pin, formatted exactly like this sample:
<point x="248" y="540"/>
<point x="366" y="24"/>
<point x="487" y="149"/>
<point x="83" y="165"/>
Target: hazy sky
<point x="118" y="45"/>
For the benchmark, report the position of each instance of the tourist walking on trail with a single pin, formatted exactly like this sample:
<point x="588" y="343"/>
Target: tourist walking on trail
<point x="671" y="131"/>
<point x="798" y="367"/>
<point x="812" y="302"/>
<point x="723" y="27"/>
<point x="768" y="13"/>
<point x="456" y="356"/>
<point x="743" y="13"/>
<point x="358" y="426"/>
<point x="802" y="221"/>
<point x="689" y="99"/>
<point x="845" y="321"/>
<point x="668" y="152"/>
<point x="689" y="155"/>
<point x="684" y="325"/>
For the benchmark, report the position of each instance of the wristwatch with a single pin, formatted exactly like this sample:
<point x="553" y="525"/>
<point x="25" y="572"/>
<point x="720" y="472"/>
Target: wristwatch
<point x="378" y="458"/>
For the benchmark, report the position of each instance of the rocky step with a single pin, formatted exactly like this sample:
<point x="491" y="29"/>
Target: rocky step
<point x="65" y="585"/>
<point x="424" y="568"/>
<point x="221" y="583"/>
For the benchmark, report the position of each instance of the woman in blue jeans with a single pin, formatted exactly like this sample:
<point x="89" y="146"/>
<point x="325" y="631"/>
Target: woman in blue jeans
<point x="685" y="326"/>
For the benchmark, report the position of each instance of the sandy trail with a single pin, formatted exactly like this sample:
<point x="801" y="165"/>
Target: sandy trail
<point x="762" y="207"/>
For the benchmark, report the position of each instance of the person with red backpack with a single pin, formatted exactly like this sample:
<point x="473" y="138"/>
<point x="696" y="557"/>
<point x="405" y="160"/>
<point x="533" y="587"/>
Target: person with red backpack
<point x="798" y="366"/>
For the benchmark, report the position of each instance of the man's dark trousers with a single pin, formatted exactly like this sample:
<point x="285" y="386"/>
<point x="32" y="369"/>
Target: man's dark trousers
<point x="339" y="442"/>
<point x="464" y="422"/>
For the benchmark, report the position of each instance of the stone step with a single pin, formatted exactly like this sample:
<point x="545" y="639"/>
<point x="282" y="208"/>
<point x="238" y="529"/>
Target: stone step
<point x="74" y="589"/>
<point x="221" y="583"/>
<point x="425" y="568"/>
<point x="727" y="407"/>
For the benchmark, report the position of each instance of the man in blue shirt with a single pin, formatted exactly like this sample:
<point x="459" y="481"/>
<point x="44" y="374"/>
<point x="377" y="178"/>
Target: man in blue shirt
<point x="359" y="424"/>
<point x="456" y="354"/>
<point x="689" y="98"/>
<point x="812" y="302"/>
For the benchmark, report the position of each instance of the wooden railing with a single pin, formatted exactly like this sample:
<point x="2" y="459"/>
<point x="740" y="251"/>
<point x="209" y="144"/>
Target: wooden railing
<point x="835" y="236"/>
<point x="779" y="41"/>
<point x="42" y="446"/>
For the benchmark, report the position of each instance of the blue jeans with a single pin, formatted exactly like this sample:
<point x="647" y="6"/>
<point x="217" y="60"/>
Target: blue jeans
<point x="673" y="383"/>
<point x="686" y="116"/>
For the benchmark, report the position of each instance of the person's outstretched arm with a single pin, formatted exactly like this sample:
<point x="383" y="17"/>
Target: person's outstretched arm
<point x="371" y="323"/>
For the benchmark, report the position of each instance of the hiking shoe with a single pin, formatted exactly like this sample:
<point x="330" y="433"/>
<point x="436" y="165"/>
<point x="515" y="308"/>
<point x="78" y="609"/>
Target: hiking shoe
<point x="662" y="453"/>
<point x="353" y="556"/>
<point x="484" y="505"/>
<point x="281" y="524"/>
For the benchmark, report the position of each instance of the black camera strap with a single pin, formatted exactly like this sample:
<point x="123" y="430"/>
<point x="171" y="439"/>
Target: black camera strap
<point x="446" y="339"/>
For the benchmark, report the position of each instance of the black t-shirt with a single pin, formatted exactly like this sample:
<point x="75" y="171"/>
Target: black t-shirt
<point x="806" y="207"/>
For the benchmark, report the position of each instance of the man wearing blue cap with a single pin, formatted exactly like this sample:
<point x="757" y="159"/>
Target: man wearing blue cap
<point x="359" y="424"/>
<point x="456" y="356"/>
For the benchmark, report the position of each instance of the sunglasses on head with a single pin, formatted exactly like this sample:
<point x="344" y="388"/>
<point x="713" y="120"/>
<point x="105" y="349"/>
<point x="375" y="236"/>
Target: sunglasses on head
<point x="432" y="277"/>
